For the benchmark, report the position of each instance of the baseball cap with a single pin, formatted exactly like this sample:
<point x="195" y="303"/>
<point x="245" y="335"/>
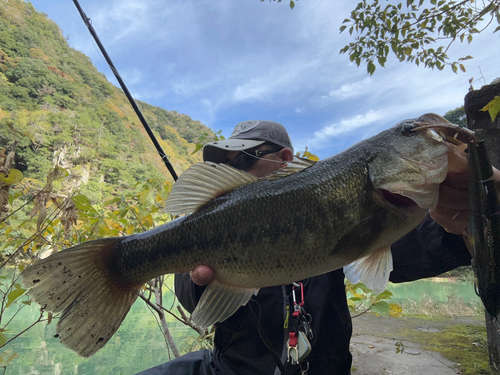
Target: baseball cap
<point x="246" y="135"/>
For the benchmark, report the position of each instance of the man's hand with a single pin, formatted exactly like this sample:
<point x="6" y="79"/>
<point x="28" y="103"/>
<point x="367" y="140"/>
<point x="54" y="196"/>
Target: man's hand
<point x="452" y="211"/>
<point x="202" y="275"/>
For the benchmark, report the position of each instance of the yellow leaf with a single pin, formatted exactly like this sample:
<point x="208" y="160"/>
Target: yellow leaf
<point x="109" y="222"/>
<point x="493" y="108"/>
<point x="395" y="310"/>
<point x="26" y="248"/>
<point x="78" y="225"/>
<point x="148" y="219"/>
<point x="143" y="195"/>
<point x="310" y="156"/>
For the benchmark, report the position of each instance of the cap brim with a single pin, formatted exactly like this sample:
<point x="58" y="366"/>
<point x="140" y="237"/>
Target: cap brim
<point x="216" y="151"/>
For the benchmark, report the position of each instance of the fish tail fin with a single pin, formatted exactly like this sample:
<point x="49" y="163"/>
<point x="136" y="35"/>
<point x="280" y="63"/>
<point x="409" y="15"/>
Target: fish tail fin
<point x="77" y="283"/>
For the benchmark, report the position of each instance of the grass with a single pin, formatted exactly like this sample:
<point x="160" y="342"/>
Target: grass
<point x="464" y="344"/>
<point x="455" y="306"/>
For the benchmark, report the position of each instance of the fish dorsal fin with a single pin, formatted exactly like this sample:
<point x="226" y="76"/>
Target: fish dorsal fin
<point x="202" y="182"/>
<point x="296" y="165"/>
<point x="218" y="302"/>
<point x="372" y="270"/>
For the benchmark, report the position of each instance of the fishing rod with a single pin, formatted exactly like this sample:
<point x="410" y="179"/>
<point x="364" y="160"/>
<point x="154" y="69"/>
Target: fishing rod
<point x="164" y="157"/>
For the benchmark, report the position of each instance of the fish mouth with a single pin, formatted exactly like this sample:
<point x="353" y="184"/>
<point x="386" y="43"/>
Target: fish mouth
<point x="397" y="200"/>
<point x="423" y="191"/>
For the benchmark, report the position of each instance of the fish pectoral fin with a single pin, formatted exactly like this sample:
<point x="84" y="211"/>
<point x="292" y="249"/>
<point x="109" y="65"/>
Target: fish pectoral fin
<point x="218" y="302"/>
<point x="372" y="270"/>
<point x="202" y="182"/>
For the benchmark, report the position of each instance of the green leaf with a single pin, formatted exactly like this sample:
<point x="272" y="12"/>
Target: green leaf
<point x="110" y="202"/>
<point x="199" y="146"/>
<point x="292" y="4"/>
<point x="82" y="203"/>
<point x="15" y="294"/>
<point x="370" y="67"/>
<point x="15" y="176"/>
<point x="386" y="294"/>
<point x="3" y="338"/>
<point x="381" y="308"/>
<point x="14" y="223"/>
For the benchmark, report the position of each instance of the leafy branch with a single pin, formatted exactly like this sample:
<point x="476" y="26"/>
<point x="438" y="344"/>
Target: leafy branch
<point x="410" y="33"/>
<point x="361" y="300"/>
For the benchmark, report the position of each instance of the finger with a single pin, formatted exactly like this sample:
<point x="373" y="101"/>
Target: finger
<point x="457" y="159"/>
<point x="202" y="275"/>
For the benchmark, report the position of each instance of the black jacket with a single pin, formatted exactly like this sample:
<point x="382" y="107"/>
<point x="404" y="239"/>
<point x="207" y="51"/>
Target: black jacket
<point x="239" y="348"/>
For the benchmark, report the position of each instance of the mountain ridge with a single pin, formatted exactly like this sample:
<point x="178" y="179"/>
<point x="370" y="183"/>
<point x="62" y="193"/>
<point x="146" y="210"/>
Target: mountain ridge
<point x="65" y="111"/>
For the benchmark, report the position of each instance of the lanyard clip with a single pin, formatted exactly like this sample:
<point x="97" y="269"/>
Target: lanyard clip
<point x="297" y="306"/>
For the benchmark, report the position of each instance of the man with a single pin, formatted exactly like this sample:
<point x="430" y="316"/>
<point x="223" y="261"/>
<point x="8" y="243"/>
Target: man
<point x="254" y="339"/>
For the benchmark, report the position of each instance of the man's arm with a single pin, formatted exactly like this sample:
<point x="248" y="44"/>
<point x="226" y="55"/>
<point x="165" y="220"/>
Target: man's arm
<point x="427" y="251"/>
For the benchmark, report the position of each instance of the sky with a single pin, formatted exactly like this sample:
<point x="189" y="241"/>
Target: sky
<point x="226" y="61"/>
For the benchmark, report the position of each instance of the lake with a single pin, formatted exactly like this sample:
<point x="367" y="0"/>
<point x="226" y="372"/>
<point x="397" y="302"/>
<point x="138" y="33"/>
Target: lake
<point x="438" y="289"/>
<point x="139" y="344"/>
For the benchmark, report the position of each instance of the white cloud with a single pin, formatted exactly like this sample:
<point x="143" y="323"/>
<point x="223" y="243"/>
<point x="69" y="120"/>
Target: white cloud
<point x="349" y="90"/>
<point x="257" y="89"/>
<point x="349" y="125"/>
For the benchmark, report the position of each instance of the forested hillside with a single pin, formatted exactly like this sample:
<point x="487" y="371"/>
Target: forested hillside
<point x="64" y="112"/>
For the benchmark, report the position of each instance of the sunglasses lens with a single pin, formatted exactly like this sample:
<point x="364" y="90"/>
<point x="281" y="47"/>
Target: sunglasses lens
<point x="243" y="161"/>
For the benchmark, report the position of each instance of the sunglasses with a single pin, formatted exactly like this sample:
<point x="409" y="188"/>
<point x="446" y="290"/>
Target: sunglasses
<point x="245" y="159"/>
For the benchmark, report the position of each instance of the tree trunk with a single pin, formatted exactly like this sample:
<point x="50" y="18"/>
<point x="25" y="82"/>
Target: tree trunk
<point x="489" y="131"/>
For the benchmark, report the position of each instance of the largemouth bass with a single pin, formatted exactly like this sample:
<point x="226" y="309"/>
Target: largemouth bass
<point x="254" y="232"/>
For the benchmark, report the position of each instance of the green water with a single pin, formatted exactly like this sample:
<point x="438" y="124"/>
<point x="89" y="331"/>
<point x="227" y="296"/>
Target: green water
<point x="139" y="344"/>
<point x="438" y="291"/>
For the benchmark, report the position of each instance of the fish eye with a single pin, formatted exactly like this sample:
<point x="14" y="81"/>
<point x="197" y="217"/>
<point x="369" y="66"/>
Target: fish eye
<point x="407" y="129"/>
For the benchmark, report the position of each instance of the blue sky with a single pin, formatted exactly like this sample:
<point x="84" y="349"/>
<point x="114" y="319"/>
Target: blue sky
<point x="226" y="61"/>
